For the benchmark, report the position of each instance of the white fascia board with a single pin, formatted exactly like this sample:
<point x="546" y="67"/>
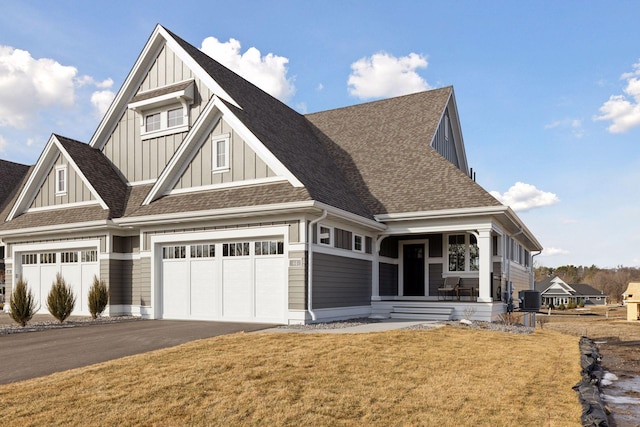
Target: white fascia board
<point x="79" y="172"/>
<point x="179" y="162"/>
<point x="51" y="246"/>
<point x="518" y="222"/>
<point x="57" y="229"/>
<point x="244" y="211"/>
<point x="368" y="223"/>
<point x="457" y="130"/>
<point x="40" y="173"/>
<point x="36" y="178"/>
<point x="256" y="145"/>
<point x="196" y="68"/>
<point x="442" y="213"/>
<point x="129" y="87"/>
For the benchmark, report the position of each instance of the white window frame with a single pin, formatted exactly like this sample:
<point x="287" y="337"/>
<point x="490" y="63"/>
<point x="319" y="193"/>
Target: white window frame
<point x="61" y="190"/>
<point x="320" y="235"/>
<point x="216" y="167"/>
<point x="467" y="254"/>
<point x="164" y="129"/>
<point x="362" y="243"/>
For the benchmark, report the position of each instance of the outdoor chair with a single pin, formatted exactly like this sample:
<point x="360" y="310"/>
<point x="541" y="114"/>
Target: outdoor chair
<point x="449" y="287"/>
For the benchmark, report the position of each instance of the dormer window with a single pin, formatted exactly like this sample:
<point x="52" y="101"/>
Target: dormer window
<point x="165" y="110"/>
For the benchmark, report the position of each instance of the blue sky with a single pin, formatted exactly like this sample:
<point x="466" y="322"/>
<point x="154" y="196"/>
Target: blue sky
<point x="548" y="92"/>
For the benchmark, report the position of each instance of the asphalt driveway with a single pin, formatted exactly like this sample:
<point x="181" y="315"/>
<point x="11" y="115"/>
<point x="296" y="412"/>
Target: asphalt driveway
<point x="35" y="354"/>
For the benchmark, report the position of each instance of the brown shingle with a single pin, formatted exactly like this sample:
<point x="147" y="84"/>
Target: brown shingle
<point x="11" y="175"/>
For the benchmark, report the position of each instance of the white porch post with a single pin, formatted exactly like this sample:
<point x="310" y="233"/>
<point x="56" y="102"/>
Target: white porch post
<point x="484" y="249"/>
<point x="375" y="269"/>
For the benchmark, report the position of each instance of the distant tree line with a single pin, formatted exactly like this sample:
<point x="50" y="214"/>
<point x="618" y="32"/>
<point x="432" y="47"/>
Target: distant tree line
<point x="611" y="281"/>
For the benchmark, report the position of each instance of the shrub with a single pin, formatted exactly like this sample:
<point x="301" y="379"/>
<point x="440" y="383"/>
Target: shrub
<point x="98" y="297"/>
<point x="551" y="306"/>
<point x="60" y="300"/>
<point x="562" y="307"/>
<point x="581" y="304"/>
<point x="22" y="303"/>
<point x="571" y="305"/>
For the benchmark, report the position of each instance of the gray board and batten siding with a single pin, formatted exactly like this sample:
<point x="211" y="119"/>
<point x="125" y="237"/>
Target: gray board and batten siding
<point x="76" y="192"/>
<point x="444" y="142"/>
<point x="244" y="164"/>
<point x="143" y="160"/>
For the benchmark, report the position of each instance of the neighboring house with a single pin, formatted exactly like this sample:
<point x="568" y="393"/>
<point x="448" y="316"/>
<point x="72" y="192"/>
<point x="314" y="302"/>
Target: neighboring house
<point x="11" y="174"/>
<point x="202" y="197"/>
<point x="556" y="291"/>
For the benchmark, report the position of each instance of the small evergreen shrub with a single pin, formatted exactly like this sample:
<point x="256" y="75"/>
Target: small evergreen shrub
<point x="551" y="306"/>
<point x="22" y="303"/>
<point x="98" y="297"/>
<point x="571" y="305"/>
<point x="61" y="300"/>
<point x="562" y="307"/>
<point x="581" y="304"/>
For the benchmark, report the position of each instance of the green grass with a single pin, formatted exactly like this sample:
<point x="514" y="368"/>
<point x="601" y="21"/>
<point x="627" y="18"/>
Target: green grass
<point x="442" y="377"/>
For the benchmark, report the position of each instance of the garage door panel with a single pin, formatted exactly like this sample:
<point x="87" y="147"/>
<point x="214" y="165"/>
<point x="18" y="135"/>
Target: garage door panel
<point x="47" y="278"/>
<point x="72" y="275"/>
<point x="269" y="288"/>
<point x="236" y="288"/>
<point x="31" y="274"/>
<point x="175" y="289"/>
<point x="203" y="289"/>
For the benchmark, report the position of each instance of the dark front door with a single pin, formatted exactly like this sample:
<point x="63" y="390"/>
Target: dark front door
<point x="413" y="266"/>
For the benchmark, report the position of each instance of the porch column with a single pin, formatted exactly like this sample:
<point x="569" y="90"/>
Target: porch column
<point x="375" y="269"/>
<point x="485" y="267"/>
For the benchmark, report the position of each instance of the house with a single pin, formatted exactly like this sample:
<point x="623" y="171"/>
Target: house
<point x="202" y="197"/>
<point x="556" y="291"/>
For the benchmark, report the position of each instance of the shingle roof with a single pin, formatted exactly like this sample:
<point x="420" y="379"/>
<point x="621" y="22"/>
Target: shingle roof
<point x="56" y="217"/>
<point x="383" y="149"/>
<point x="12" y="174"/>
<point x="99" y="172"/>
<point x="583" y="289"/>
<point x="286" y="133"/>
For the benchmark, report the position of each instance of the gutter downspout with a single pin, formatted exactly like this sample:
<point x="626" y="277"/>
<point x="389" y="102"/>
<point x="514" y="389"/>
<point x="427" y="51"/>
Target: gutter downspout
<point x="310" y="263"/>
<point x="533" y="273"/>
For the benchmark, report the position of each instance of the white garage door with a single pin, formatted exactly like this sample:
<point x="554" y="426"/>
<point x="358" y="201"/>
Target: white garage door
<point x="235" y="281"/>
<point x="77" y="268"/>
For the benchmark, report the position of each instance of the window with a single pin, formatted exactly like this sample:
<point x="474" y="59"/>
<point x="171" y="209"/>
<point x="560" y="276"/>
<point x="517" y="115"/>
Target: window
<point x="446" y="127"/>
<point x="152" y="122"/>
<point x="164" y="110"/>
<point x="174" y="117"/>
<point x="68" y="257"/>
<point x="61" y="180"/>
<point x="48" y="258"/>
<point x="270" y="247"/>
<point x="29" y="259"/>
<point x="203" y="251"/>
<point x="463" y="253"/>
<point x="235" y="249"/>
<point x="324" y="235"/>
<point x="89" y="256"/>
<point x="174" y="252"/>
<point x="357" y="243"/>
<point x="221" y="153"/>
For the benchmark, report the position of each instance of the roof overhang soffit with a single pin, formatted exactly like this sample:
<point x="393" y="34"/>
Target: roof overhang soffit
<point x="41" y="171"/>
<point x="158" y="39"/>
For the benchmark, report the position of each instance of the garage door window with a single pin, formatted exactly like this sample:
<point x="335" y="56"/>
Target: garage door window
<point x="269" y="247"/>
<point x="235" y="249"/>
<point x="203" y="251"/>
<point x="48" y="258"/>
<point x="89" y="256"/>
<point x="174" y="252"/>
<point x="68" y="257"/>
<point x="29" y="259"/>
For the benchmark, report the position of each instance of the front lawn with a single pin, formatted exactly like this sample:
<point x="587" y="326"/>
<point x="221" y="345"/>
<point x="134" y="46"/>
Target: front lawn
<point x="441" y="377"/>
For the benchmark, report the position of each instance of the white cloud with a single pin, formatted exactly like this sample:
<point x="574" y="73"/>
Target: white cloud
<point x="522" y="197"/>
<point x="3" y="144"/>
<point x="101" y="100"/>
<point x="383" y="75"/>
<point x="28" y="84"/>
<point x="551" y="251"/>
<point x="268" y="72"/>
<point x="88" y="80"/>
<point x="624" y="110"/>
<point x="572" y="125"/>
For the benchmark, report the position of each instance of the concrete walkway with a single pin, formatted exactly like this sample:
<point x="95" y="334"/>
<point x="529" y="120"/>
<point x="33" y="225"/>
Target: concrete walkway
<point x="383" y="325"/>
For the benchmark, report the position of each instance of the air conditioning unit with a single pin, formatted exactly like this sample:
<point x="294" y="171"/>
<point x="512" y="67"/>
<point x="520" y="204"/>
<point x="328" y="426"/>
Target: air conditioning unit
<point x="530" y="301"/>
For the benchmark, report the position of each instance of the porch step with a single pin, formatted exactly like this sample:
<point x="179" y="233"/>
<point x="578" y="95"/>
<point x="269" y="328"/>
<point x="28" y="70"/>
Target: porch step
<point x="421" y="313"/>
